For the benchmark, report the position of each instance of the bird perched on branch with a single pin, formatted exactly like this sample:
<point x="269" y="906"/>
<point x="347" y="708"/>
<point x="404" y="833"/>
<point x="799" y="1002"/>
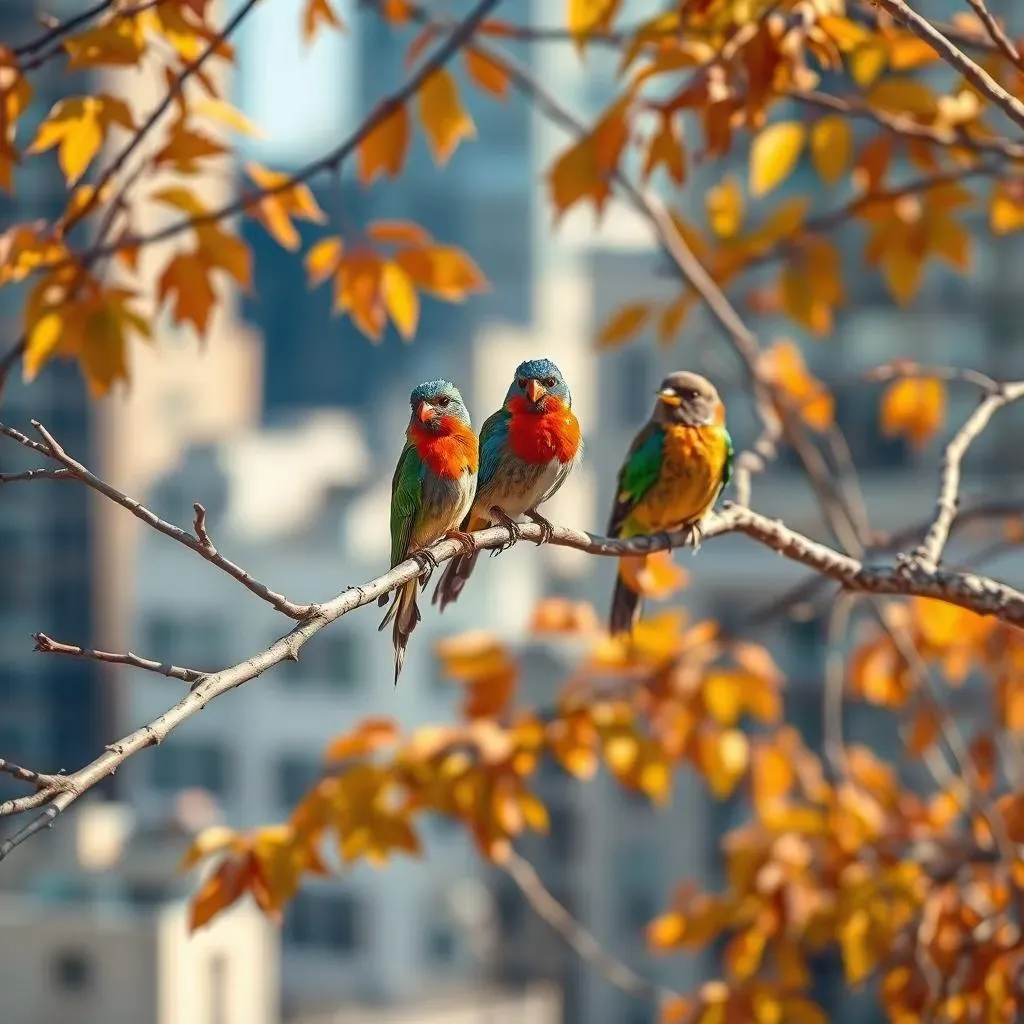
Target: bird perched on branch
<point x="431" y="492"/>
<point x="672" y="476"/>
<point x="527" y="449"/>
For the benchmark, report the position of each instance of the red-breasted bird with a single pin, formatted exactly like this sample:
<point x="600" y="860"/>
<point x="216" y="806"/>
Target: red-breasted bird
<point x="527" y="449"/>
<point x="431" y="492"/>
<point x="672" y="476"/>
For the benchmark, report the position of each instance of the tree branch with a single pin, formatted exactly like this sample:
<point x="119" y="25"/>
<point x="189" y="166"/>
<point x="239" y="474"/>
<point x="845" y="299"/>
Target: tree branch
<point x="995" y="31"/>
<point x="956" y="58"/>
<point x="46" y="645"/>
<point x="582" y="942"/>
<point x="202" y="547"/>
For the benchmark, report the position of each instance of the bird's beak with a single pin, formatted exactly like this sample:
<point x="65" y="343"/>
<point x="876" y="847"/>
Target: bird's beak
<point x="535" y="389"/>
<point x="424" y="412"/>
<point x="669" y="397"/>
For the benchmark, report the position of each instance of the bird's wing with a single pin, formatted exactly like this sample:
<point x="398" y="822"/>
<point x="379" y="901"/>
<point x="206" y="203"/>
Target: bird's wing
<point x="638" y="474"/>
<point x="406" y="500"/>
<point x="730" y="458"/>
<point x="493" y="435"/>
<point x="563" y="472"/>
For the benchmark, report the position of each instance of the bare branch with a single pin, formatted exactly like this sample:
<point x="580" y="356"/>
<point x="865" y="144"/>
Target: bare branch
<point x="46" y="645"/>
<point x="956" y="58"/>
<point x="995" y="31"/>
<point x="62" y="28"/>
<point x="53" y="450"/>
<point x="929" y="553"/>
<point x="576" y="936"/>
<point x="19" y="773"/>
<point x="37" y="474"/>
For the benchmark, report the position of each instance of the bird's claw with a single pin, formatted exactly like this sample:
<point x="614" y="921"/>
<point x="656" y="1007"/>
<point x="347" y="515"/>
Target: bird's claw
<point x="694" y="535"/>
<point x="547" y="529"/>
<point x="463" y="538"/>
<point x="428" y="563"/>
<point x="514" y="530"/>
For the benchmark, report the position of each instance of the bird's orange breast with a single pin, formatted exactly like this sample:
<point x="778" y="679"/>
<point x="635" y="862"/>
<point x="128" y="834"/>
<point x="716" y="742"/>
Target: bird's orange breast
<point x="538" y="437"/>
<point x="451" y="452"/>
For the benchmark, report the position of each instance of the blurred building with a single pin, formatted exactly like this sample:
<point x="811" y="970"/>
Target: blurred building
<point x="100" y="935"/>
<point x="53" y="713"/>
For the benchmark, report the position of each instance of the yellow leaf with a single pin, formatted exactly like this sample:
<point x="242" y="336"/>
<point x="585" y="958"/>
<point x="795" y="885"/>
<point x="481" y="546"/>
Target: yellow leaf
<point x="587" y="16"/>
<point x="783" y="365"/>
<point x="724" y="203"/>
<point x="724" y="756"/>
<point x="831" y="147"/>
<point x="120" y="42"/>
<point x="624" y="324"/>
<point x="274" y="211"/>
<point x="181" y="199"/>
<point x="225" y="114"/>
<point x="316" y="15"/>
<point x="867" y="62"/>
<point x="398" y="232"/>
<point x="228" y="252"/>
<point x="486" y="73"/>
<point x="215" y="839"/>
<point x="854" y="940"/>
<point x="1006" y="212"/>
<point x="400" y="297"/>
<point x="74" y="127"/>
<point x="902" y="96"/>
<point x="913" y="408"/>
<point x="442" y="270"/>
<point x="445" y="121"/>
<point x="384" y="149"/>
<point x="655" y="575"/>
<point x="43" y="340"/>
<point x="322" y="260"/>
<point x="774" y="154"/>
<point x="185" y="281"/>
<point x="902" y="270"/>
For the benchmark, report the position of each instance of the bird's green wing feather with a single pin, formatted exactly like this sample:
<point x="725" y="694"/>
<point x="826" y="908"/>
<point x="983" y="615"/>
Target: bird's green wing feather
<point x="730" y="458"/>
<point x="638" y="474"/>
<point x="493" y="435"/>
<point x="406" y="500"/>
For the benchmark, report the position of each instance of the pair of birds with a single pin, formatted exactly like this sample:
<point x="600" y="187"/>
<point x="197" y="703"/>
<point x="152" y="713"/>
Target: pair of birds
<point x="449" y="482"/>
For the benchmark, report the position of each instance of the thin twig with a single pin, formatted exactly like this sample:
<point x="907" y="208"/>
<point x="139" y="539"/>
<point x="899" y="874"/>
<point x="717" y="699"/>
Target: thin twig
<point x="956" y="58"/>
<point x="46" y="645"/>
<point x="835" y="685"/>
<point x="995" y="30"/>
<point x="53" y="450"/>
<point x="576" y="936"/>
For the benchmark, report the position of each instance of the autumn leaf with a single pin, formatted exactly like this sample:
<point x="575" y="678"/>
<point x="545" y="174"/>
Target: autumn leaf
<point x="724" y="203"/>
<point x="223" y="113"/>
<point x="656" y="575"/>
<point x="274" y="211"/>
<point x="185" y="284"/>
<point x="400" y="298"/>
<point x="774" y="154"/>
<point x="367" y="737"/>
<point x="119" y="42"/>
<point x="666" y="150"/>
<point x="318" y="14"/>
<point x="585" y="17"/>
<point x="831" y="147"/>
<point x="914" y="408"/>
<point x="184" y="147"/>
<point x="322" y="260"/>
<point x="78" y="127"/>
<point x="444" y="119"/>
<point x="559" y="615"/>
<point x="624" y="324"/>
<point x="783" y="365"/>
<point x="486" y="73"/>
<point x="1006" y="209"/>
<point x="384" y="149"/>
<point x="442" y="270"/>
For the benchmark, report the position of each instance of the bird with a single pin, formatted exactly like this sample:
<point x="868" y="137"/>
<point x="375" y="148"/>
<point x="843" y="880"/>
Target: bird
<point x="675" y="470"/>
<point x="527" y="450"/>
<point x="431" y="492"/>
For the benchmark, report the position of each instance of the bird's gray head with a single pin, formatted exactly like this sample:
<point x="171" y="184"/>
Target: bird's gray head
<point x="436" y="404"/>
<point x="689" y="399"/>
<point x="535" y="379"/>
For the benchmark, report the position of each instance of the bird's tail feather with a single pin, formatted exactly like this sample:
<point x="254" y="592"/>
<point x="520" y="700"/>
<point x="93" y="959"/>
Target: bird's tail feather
<point x="406" y="614"/>
<point x="626" y="607"/>
<point x="455" y="576"/>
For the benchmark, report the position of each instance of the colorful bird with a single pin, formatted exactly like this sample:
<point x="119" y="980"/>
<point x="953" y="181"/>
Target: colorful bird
<point x="672" y="476"/>
<point x="431" y="492"/>
<point x="527" y="449"/>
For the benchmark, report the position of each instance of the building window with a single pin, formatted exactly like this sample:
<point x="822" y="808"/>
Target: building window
<point x="196" y="642"/>
<point x="296" y="775"/>
<point x="330" y="661"/>
<point x="72" y="971"/>
<point x="177" y="765"/>
<point x="562" y="833"/>
<point x="633" y="385"/>
<point x="441" y="941"/>
<point x="324" y="921"/>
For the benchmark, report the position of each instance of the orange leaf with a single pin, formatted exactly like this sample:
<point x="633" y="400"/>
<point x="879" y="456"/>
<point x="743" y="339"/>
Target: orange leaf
<point x="316" y="15"/>
<point x="666" y="150"/>
<point x="624" y="324"/>
<point x="486" y="73"/>
<point x="367" y="737"/>
<point x="322" y="260"/>
<point x="186" y="282"/>
<point x="656" y="575"/>
<point x="220" y="890"/>
<point x="913" y="408"/>
<point x="783" y="365"/>
<point x="274" y="211"/>
<point x="724" y="204"/>
<point x="357" y="291"/>
<point x="384" y="149"/>
<point x="560" y="615"/>
<point x="831" y="147"/>
<point x="587" y="16"/>
<point x="398" y="232"/>
<point x="442" y="270"/>
<point x="445" y="121"/>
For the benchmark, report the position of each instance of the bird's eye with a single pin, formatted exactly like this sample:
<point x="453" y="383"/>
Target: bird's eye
<point x="522" y="382"/>
<point x="443" y="401"/>
<point x="549" y="382"/>
<point x="692" y="393"/>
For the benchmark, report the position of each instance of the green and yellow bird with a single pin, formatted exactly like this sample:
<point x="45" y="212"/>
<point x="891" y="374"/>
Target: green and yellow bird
<point x="674" y="472"/>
